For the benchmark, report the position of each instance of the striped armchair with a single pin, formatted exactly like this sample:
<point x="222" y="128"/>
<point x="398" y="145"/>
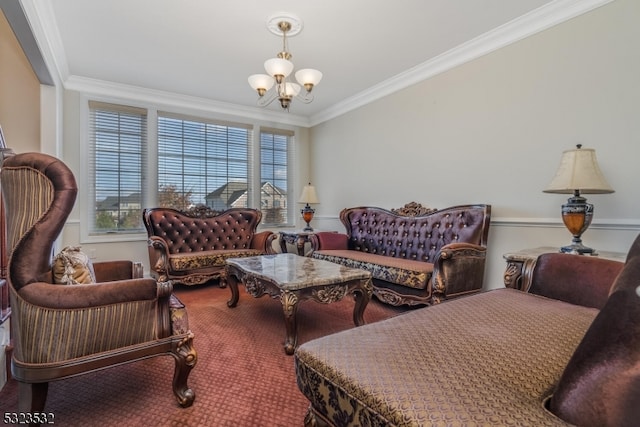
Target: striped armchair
<point x="60" y="331"/>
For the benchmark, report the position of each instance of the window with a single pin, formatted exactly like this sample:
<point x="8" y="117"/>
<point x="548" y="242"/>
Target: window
<point x="198" y="161"/>
<point x="202" y="162"/>
<point x="117" y="158"/>
<point x="274" y="177"/>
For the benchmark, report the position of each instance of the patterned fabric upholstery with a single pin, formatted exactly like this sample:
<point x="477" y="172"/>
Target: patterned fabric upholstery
<point x="420" y="238"/>
<point x="62" y="331"/>
<point x="414" y="274"/>
<point x="419" y="259"/>
<point x="72" y="267"/>
<point x="192" y="249"/>
<point x="40" y="329"/>
<point x="488" y="359"/>
<point x="206" y="259"/>
<point x="232" y="229"/>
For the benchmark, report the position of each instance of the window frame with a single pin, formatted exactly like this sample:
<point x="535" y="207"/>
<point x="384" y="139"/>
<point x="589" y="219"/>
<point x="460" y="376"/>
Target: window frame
<point x="208" y="125"/>
<point x="84" y="204"/>
<point x="289" y="200"/>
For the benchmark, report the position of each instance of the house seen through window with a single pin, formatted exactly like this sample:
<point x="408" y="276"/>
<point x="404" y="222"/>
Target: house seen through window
<point x="199" y="162"/>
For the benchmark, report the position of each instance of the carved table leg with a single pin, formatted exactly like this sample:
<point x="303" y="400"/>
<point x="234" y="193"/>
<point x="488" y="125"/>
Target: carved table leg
<point x="289" y="302"/>
<point x="362" y="296"/>
<point x="232" y="282"/>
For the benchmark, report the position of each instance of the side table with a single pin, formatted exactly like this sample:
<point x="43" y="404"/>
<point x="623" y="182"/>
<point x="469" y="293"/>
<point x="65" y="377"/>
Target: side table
<point x="298" y="238"/>
<point x="520" y="264"/>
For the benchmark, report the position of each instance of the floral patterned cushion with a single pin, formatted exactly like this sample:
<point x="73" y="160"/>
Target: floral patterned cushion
<point x="72" y="267"/>
<point x="410" y="273"/>
<point x="189" y="261"/>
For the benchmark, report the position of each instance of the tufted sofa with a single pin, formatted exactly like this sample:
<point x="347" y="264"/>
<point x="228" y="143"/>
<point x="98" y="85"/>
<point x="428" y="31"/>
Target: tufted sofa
<point x="192" y="247"/>
<point x="416" y="255"/>
<point x="565" y="352"/>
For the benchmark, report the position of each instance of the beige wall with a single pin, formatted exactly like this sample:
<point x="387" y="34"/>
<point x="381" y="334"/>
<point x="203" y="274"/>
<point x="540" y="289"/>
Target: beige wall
<point x="493" y="130"/>
<point x="19" y="94"/>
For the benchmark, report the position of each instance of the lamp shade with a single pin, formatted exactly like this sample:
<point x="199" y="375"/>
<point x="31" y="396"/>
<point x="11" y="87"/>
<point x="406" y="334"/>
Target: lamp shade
<point x="308" y="76"/>
<point x="579" y="171"/>
<point x="261" y="81"/>
<point x="309" y="195"/>
<point x="278" y="67"/>
<point x="292" y="89"/>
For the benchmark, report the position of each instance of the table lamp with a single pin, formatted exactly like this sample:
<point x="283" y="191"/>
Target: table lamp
<point x="308" y="196"/>
<point x="577" y="174"/>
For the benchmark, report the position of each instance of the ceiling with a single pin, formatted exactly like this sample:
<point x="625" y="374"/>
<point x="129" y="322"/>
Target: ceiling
<point x="206" y="49"/>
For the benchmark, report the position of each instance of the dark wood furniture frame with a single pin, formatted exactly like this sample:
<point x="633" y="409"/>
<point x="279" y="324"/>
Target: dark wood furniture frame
<point x="325" y="289"/>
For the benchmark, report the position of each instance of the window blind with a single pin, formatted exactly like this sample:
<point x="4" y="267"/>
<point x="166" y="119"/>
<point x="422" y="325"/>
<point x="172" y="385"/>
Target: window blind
<point x="117" y="159"/>
<point x="203" y="162"/>
<point x="274" y="176"/>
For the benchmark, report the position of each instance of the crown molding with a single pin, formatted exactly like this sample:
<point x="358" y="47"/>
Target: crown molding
<point x="172" y="100"/>
<point x="547" y="16"/>
<point x="42" y="21"/>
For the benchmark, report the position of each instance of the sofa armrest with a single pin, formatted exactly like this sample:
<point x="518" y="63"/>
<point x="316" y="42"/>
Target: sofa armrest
<point x="328" y="240"/>
<point x="109" y="271"/>
<point x="577" y="279"/>
<point x="158" y="258"/>
<point x="458" y="269"/>
<point x="263" y="241"/>
<point x="91" y="295"/>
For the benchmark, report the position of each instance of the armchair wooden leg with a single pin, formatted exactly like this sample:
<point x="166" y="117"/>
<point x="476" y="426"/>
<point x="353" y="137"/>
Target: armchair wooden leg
<point x="32" y="396"/>
<point x="185" y="357"/>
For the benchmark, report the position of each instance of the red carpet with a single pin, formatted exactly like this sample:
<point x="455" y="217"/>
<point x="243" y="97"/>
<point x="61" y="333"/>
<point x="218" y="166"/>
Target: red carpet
<point x="242" y="378"/>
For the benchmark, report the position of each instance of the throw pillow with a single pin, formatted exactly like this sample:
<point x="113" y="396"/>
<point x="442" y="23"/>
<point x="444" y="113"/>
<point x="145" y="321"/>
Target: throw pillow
<point x="72" y="267"/>
<point x="601" y="384"/>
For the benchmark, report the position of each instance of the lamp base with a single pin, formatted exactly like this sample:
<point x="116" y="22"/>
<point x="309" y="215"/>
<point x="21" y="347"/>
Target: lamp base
<point x="307" y="215"/>
<point x="578" y="249"/>
<point x="577" y="215"/>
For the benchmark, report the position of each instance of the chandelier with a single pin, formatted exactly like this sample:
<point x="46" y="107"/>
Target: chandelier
<point x="279" y="69"/>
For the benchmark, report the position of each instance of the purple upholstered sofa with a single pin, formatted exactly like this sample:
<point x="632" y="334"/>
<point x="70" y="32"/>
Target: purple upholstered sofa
<point x="564" y="352"/>
<point x="416" y="255"/>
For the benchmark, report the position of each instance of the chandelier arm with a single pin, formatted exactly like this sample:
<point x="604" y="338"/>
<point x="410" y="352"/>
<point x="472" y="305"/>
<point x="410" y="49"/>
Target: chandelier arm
<point x="270" y="96"/>
<point x="306" y="97"/>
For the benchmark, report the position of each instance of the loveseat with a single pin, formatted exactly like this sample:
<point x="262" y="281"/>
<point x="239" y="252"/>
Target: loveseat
<point x="567" y="352"/>
<point x="191" y="247"/>
<point x="416" y="255"/>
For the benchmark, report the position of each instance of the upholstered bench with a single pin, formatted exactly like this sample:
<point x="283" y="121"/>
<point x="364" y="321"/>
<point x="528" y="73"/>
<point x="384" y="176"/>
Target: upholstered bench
<point x="566" y="352"/>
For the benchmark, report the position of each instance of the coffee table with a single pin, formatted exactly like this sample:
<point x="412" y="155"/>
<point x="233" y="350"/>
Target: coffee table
<point x="293" y="278"/>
